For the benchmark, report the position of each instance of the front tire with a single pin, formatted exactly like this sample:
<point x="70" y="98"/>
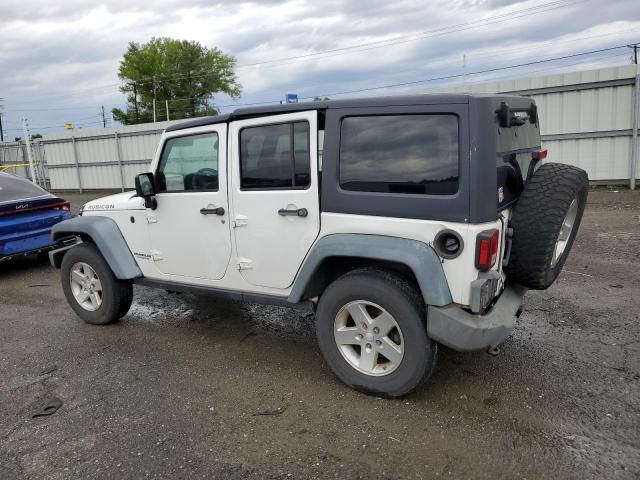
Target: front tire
<point x="371" y="328"/>
<point x="91" y="288"/>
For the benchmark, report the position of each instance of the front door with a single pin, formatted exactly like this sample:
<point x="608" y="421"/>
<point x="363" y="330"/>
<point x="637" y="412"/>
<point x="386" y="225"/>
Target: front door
<point x="274" y="195"/>
<point x="189" y="230"/>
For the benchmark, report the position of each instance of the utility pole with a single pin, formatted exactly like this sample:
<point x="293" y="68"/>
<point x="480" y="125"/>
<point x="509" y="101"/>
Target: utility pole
<point x="104" y="119"/>
<point x="166" y="103"/>
<point x="27" y="142"/>
<point x="135" y="100"/>
<point x="154" y="99"/>
<point x="464" y="69"/>
<point x="1" y="131"/>
<point x="635" y="52"/>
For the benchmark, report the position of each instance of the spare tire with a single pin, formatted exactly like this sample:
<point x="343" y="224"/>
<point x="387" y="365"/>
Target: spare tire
<point x="545" y="222"/>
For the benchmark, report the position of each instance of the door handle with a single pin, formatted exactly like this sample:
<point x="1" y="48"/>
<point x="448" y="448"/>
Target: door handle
<point x="212" y="211"/>
<point x="300" y="212"/>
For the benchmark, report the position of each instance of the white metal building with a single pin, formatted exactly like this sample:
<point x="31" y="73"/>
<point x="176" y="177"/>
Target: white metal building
<point x="588" y="119"/>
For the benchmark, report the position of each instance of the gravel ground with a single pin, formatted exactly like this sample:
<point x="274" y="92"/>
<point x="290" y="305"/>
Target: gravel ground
<point x="188" y="387"/>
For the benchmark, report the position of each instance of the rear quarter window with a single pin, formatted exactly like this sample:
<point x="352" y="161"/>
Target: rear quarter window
<point x="407" y="154"/>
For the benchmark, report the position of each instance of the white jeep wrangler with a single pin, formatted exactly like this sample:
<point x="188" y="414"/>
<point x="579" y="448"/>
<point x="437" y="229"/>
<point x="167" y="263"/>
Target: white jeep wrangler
<point x="404" y="221"/>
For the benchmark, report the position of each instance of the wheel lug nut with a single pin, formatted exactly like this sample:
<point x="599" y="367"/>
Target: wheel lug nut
<point x="359" y="337"/>
<point x="376" y="330"/>
<point x="378" y="342"/>
<point x="368" y="346"/>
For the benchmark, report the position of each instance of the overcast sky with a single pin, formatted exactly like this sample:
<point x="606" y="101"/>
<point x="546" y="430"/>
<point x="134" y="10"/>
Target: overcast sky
<point x="59" y="60"/>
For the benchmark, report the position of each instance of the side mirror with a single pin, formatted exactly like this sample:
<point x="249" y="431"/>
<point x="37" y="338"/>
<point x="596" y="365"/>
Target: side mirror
<point x="145" y="188"/>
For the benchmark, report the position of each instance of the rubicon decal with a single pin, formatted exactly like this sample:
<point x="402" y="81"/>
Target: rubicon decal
<point x="100" y="206"/>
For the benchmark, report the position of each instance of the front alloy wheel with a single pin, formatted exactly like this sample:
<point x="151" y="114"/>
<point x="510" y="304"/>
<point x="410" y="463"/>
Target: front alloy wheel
<point x="91" y="288"/>
<point x="86" y="286"/>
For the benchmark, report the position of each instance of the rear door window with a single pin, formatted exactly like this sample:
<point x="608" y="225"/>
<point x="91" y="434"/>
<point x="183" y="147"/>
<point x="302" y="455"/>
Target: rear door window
<point x="406" y="154"/>
<point x="275" y="156"/>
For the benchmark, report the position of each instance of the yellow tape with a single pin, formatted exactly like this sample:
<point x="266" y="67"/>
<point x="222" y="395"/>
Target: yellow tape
<point x="7" y="167"/>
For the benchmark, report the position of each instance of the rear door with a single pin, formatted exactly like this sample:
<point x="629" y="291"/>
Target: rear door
<point x="274" y="195"/>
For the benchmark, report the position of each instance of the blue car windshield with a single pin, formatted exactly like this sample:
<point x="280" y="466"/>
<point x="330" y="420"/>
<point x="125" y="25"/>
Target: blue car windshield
<point x="14" y="189"/>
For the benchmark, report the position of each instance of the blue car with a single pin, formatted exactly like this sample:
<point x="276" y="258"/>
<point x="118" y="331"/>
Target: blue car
<point x="27" y="213"/>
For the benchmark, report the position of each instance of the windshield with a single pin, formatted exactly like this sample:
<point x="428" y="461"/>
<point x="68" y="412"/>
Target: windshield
<point x="14" y="189"/>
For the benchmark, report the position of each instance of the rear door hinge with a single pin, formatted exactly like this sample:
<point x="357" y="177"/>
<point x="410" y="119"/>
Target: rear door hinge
<point x="240" y="221"/>
<point x="245" y="264"/>
<point x="156" y="255"/>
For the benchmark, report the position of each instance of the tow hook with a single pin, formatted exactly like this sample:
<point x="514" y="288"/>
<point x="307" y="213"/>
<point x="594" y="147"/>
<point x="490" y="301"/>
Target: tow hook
<point x="493" y="351"/>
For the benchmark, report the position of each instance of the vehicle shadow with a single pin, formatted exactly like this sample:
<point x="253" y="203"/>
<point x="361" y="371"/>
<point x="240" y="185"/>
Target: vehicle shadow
<point x="21" y="264"/>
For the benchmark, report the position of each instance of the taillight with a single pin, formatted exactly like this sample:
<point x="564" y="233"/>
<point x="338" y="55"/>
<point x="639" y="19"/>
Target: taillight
<point x="540" y="155"/>
<point x="66" y="206"/>
<point x="487" y="247"/>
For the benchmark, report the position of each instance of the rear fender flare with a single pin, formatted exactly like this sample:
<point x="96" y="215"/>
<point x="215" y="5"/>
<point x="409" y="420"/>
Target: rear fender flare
<point x="107" y="237"/>
<point x="418" y="256"/>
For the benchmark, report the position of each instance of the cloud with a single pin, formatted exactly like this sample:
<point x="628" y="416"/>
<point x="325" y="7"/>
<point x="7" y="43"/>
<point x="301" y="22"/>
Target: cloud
<point x="58" y="60"/>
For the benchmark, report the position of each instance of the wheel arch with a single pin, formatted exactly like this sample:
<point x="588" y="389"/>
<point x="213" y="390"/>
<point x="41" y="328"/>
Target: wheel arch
<point x="336" y="254"/>
<point x="104" y="233"/>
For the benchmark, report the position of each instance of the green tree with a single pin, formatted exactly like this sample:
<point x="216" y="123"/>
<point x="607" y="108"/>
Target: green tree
<point x="183" y="72"/>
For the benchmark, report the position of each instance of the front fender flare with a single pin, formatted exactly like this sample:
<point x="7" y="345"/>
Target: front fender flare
<point x="106" y="235"/>
<point x="418" y="256"/>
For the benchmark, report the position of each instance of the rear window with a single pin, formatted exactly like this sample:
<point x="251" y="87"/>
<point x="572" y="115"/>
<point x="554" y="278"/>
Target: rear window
<point x="14" y="188"/>
<point x="406" y="154"/>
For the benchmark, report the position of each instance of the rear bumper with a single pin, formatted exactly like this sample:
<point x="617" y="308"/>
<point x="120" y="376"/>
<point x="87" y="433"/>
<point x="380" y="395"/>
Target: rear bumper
<point x="45" y="247"/>
<point x="30" y="232"/>
<point x="463" y="331"/>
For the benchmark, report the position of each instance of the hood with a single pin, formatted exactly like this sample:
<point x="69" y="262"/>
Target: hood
<point x="119" y="201"/>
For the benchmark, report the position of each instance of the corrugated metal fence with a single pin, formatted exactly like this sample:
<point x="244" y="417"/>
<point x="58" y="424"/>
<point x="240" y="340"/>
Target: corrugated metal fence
<point x="13" y="159"/>
<point x="108" y="158"/>
<point x="587" y="119"/>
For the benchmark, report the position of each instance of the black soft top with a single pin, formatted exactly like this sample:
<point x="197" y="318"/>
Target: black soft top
<point x="398" y="100"/>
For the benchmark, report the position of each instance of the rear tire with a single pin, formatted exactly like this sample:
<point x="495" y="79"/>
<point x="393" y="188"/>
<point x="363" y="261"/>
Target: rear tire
<point x="91" y="288"/>
<point x="545" y="223"/>
<point x="393" y="355"/>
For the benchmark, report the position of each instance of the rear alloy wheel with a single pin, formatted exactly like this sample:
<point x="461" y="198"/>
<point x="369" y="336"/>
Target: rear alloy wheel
<point x="91" y="288"/>
<point x="369" y="338"/>
<point x="371" y="328"/>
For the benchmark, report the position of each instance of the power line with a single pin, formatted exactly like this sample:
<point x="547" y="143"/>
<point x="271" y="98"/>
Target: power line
<point x="366" y="46"/>
<point x="395" y="85"/>
<point x="421" y="35"/>
<point x="487" y="54"/>
<point x="440" y="78"/>
<point x="457" y="75"/>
